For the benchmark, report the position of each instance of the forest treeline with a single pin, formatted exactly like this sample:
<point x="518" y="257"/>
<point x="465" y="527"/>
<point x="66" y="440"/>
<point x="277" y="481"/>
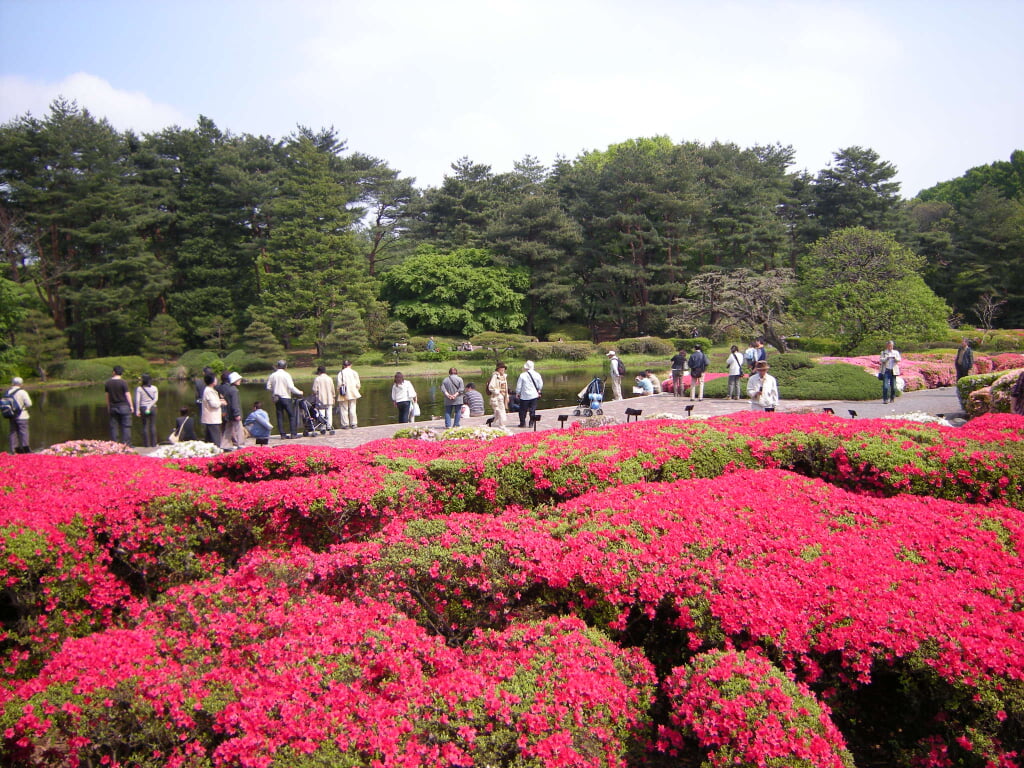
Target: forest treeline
<point x="113" y="241"/>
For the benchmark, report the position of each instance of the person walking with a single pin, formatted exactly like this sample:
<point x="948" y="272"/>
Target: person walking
<point x="453" y="388"/>
<point x="888" y="369"/>
<point x="678" y="366"/>
<point x="323" y="396"/>
<point x="735" y="365"/>
<point x="403" y="395"/>
<point x="17" y="414"/>
<point x="616" y="370"/>
<point x="119" y="407"/>
<point x="529" y="387"/>
<point x="282" y="389"/>
<point x="698" y="363"/>
<point x="146" y="395"/>
<point x="762" y="388"/>
<point x="497" y="391"/>
<point x="211" y="410"/>
<point x="348" y="393"/>
<point x="258" y="424"/>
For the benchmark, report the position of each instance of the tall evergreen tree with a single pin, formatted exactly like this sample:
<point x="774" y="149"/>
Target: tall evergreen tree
<point x="857" y="190"/>
<point x="311" y="267"/>
<point x="74" y="180"/>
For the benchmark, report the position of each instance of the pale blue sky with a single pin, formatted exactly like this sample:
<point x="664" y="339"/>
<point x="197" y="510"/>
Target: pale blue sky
<point x="933" y="87"/>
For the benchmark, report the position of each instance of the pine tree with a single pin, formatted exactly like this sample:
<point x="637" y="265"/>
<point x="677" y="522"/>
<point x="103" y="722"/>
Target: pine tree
<point x="164" y="338"/>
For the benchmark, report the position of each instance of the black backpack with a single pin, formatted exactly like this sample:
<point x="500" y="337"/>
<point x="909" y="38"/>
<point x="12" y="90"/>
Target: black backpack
<point x="622" y="368"/>
<point x="9" y="407"/>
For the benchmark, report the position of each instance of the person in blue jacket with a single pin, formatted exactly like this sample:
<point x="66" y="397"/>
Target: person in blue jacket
<point x="258" y="424"/>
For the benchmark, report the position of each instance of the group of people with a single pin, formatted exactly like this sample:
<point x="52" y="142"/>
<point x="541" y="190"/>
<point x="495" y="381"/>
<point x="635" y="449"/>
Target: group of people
<point x="463" y="399"/>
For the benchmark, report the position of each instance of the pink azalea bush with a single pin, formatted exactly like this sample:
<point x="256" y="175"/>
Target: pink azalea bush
<point x="758" y="589"/>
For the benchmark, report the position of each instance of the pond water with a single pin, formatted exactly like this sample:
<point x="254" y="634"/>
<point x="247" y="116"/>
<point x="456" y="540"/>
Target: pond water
<point x="80" y="413"/>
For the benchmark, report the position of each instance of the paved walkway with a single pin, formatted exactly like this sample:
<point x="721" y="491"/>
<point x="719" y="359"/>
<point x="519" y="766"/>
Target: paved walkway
<point x="932" y="401"/>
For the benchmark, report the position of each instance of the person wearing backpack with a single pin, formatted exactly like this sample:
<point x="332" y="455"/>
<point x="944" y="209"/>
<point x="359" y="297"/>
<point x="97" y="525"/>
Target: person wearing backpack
<point x="698" y="363"/>
<point x="16" y="403"/>
<point x="616" y="371"/>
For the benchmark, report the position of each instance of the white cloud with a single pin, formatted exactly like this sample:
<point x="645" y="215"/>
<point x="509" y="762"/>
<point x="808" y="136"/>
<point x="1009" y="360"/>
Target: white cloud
<point x="123" y="109"/>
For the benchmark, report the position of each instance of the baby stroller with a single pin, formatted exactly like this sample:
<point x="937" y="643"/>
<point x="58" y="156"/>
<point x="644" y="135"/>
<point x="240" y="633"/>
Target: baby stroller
<point x="312" y="421"/>
<point x="591" y="399"/>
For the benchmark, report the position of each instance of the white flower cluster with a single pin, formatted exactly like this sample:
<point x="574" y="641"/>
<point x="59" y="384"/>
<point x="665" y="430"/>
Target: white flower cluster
<point x="456" y="433"/>
<point x="190" y="449"/>
<point x="920" y="417"/>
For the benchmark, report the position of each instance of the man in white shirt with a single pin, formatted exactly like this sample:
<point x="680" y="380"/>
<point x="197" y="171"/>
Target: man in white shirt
<point x="282" y="389"/>
<point x="763" y="389"/>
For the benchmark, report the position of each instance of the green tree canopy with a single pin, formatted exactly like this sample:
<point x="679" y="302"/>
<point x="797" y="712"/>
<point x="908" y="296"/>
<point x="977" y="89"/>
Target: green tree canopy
<point x="461" y="292"/>
<point x="312" y="265"/>
<point x="862" y="286"/>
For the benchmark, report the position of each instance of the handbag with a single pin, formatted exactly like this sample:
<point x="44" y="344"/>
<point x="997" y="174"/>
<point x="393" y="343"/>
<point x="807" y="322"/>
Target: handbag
<point x="415" y="408"/>
<point x="175" y="435"/>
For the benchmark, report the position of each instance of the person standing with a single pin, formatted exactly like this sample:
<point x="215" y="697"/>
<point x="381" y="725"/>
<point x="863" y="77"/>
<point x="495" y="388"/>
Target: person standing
<point x="735" y="364"/>
<point x="348" y="394"/>
<point x="615" y="371"/>
<point x="18" y="432"/>
<point x="146" y="395"/>
<point x="453" y="389"/>
<point x="888" y="369"/>
<point x="678" y="365"/>
<point x="698" y="363"/>
<point x="258" y="424"/>
<point x="403" y="395"/>
<point x="212" y="413"/>
<point x="529" y="387"/>
<point x="119" y="407"/>
<point x="234" y="435"/>
<point x="964" y="360"/>
<point x="323" y="392"/>
<point x="1017" y="395"/>
<point x="497" y="389"/>
<point x="763" y="389"/>
<point x="755" y="353"/>
<point x="282" y="388"/>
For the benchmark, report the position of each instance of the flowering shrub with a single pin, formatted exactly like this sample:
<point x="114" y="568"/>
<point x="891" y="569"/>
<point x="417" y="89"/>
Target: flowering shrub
<point x="745" y="712"/>
<point x="257" y="670"/>
<point x="515" y="602"/>
<point x="87" y="448"/>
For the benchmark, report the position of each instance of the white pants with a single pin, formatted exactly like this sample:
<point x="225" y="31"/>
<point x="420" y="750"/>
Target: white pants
<point x="617" y="387"/>
<point x="327" y="414"/>
<point x="347" y="410"/>
<point x="694" y="382"/>
<point x="498" y="406"/>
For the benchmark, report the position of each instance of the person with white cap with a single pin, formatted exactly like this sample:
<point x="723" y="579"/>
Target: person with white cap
<point x="615" y="371"/>
<point x="19" y="415"/>
<point x="762" y="388"/>
<point x="234" y="435"/>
